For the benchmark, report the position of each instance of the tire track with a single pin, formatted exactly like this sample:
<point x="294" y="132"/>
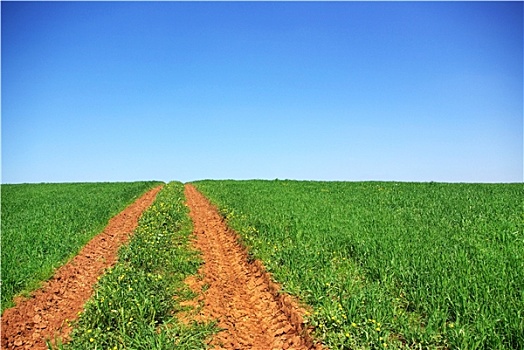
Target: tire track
<point x="44" y="315"/>
<point x="240" y="295"/>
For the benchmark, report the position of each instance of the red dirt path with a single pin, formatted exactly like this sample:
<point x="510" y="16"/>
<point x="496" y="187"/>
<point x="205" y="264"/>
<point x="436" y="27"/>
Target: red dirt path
<point x="238" y="293"/>
<point x="44" y="315"/>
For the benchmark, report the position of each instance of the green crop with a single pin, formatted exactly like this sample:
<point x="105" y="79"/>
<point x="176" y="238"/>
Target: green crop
<point x="390" y="265"/>
<point x="43" y="225"/>
<point x="136" y="302"/>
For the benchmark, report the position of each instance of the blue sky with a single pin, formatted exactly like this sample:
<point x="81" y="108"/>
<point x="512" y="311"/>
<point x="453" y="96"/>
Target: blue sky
<point x="123" y="91"/>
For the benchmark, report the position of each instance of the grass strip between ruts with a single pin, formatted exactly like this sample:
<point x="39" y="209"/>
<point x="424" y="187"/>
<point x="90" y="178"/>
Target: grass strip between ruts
<point x="136" y="302"/>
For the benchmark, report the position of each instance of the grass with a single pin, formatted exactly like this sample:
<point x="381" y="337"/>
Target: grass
<point x="136" y="302"/>
<point x="390" y="265"/>
<point x="43" y="225"/>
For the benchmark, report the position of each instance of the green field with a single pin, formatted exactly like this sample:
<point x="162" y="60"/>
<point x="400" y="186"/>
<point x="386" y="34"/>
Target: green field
<point x="390" y="265"/>
<point x="381" y="264"/>
<point x="135" y="302"/>
<point x="43" y="225"/>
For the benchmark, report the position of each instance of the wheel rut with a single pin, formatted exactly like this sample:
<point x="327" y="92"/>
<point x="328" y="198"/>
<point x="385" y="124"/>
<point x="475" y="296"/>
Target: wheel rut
<point x="238" y="293"/>
<point x="44" y="316"/>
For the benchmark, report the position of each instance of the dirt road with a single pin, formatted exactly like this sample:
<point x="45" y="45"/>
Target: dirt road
<point x="238" y="293"/>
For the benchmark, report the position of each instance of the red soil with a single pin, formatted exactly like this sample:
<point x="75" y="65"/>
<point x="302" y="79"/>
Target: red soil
<point x="45" y="314"/>
<point x="240" y="294"/>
